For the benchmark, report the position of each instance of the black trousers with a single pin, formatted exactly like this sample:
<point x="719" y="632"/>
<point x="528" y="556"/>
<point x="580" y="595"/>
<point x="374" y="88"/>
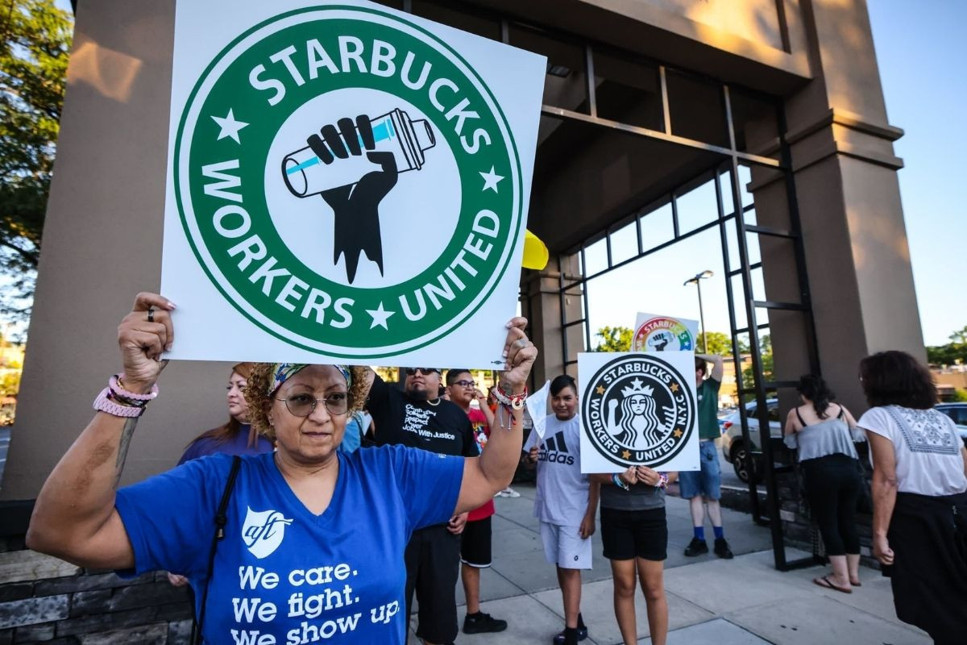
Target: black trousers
<point x="832" y="490"/>
<point x="432" y="568"/>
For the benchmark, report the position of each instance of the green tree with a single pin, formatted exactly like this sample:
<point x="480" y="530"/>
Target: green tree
<point x="9" y="382"/>
<point x="953" y="352"/>
<point x="718" y="343"/>
<point x="33" y="66"/>
<point x="768" y="365"/>
<point x="614" y="339"/>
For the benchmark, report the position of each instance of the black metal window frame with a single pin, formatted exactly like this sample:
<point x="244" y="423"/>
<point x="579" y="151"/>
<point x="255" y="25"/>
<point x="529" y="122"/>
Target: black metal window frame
<point x="732" y="159"/>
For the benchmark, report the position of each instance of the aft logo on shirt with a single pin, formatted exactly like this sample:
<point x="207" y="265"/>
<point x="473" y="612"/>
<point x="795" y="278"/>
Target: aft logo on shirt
<point x="555" y="451"/>
<point x="263" y="531"/>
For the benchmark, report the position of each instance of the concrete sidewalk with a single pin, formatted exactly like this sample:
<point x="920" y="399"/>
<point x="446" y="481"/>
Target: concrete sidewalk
<point x="743" y="601"/>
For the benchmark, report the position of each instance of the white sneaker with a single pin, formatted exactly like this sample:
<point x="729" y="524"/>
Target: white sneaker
<point x="509" y="492"/>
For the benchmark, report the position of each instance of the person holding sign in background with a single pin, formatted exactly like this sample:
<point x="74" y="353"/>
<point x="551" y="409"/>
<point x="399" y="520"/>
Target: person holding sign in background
<point x="312" y="539"/>
<point x="635" y="536"/>
<point x="565" y="503"/>
<point x="703" y="488"/>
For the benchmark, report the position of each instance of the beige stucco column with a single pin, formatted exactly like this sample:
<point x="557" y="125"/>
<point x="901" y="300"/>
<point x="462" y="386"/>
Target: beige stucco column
<point x="102" y="245"/>
<point x="846" y="187"/>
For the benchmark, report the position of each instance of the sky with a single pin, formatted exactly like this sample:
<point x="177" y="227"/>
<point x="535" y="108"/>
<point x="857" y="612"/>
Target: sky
<point x="921" y="52"/>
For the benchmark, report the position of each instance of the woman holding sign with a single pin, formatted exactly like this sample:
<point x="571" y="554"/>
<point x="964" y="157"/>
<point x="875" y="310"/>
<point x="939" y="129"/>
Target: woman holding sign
<point x="301" y="545"/>
<point x="635" y="537"/>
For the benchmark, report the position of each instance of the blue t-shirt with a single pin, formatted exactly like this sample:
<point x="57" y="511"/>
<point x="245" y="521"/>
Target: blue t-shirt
<point x="237" y="445"/>
<point x="281" y="570"/>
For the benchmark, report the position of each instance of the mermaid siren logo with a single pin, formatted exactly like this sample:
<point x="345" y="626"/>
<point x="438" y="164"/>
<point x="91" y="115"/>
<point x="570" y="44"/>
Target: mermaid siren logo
<point x="353" y="166"/>
<point x="640" y="411"/>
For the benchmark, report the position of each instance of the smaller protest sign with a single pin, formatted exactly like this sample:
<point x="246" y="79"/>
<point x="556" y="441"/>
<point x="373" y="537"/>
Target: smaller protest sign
<point x="638" y="409"/>
<point x="655" y="333"/>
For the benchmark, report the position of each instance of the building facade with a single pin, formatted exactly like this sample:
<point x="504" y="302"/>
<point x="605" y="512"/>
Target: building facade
<point x="776" y="104"/>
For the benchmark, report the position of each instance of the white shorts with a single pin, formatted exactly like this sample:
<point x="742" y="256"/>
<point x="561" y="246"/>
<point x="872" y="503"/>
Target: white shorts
<point x="564" y="546"/>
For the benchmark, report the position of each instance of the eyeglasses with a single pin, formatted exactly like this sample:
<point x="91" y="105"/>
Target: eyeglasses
<point x="302" y="405"/>
<point x="465" y="383"/>
<point x="425" y="371"/>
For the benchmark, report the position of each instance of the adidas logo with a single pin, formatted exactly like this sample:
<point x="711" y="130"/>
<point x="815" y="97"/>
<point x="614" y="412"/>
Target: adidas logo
<point x="554" y="450"/>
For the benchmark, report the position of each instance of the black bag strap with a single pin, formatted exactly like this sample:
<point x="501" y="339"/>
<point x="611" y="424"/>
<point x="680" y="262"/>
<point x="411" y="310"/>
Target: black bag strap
<point x="220" y="521"/>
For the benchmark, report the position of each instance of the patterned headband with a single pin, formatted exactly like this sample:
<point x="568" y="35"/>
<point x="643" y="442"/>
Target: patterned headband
<point x="282" y="372"/>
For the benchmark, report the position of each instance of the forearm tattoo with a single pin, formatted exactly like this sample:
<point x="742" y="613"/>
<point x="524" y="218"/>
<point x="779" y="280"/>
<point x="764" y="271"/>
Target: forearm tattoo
<point x="129" y="425"/>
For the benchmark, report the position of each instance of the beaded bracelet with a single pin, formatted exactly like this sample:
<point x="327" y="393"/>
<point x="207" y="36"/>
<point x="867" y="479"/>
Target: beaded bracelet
<point x="512" y="401"/>
<point x="662" y="480"/>
<point x="616" y="479"/>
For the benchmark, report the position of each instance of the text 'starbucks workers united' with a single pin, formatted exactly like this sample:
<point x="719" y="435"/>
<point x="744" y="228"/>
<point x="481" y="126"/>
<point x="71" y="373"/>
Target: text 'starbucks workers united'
<point x="348" y="182"/>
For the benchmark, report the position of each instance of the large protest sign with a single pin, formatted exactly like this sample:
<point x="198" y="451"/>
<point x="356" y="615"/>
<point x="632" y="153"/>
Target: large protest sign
<point x="345" y="181"/>
<point x="655" y="333"/>
<point x="638" y="409"/>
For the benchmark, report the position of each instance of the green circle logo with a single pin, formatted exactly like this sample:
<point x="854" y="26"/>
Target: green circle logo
<point x="348" y="182"/>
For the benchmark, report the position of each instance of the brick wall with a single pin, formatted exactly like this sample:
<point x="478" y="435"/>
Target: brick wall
<point x="46" y="600"/>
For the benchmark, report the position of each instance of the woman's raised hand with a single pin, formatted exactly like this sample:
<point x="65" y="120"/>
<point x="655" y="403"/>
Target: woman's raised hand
<point x="143" y="335"/>
<point x="519" y="354"/>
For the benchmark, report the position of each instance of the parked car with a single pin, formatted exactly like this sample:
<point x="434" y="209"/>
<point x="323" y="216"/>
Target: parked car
<point x="734" y="449"/>
<point x="957" y="412"/>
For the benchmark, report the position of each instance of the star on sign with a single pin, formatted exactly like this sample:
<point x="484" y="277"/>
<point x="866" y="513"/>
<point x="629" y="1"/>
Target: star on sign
<point x="674" y="387"/>
<point x="599" y="389"/>
<point x="626" y="455"/>
<point x="678" y="433"/>
<point x="229" y="126"/>
<point x="380" y="316"/>
<point x="491" y="179"/>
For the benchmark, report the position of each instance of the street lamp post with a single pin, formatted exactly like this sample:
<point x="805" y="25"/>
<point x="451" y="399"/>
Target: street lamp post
<point x="697" y="280"/>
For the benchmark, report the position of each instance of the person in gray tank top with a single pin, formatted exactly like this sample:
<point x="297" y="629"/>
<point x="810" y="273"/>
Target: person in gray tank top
<point x="822" y="430"/>
<point x="634" y="534"/>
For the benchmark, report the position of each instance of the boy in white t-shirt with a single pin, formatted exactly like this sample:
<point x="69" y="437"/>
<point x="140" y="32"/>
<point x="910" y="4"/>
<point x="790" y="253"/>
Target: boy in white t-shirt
<point x="566" y="502"/>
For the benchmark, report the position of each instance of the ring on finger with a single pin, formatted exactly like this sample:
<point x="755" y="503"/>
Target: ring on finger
<point x="150" y="314"/>
<point x="521" y="342"/>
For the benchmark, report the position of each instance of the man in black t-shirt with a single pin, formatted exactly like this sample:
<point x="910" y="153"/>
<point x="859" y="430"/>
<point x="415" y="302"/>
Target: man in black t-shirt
<point x="417" y="417"/>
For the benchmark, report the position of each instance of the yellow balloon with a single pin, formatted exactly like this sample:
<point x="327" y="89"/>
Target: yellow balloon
<point x="535" y="252"/>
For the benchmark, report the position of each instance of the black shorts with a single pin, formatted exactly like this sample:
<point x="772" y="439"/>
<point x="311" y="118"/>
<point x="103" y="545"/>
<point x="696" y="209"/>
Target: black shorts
<point x="475" y="544"/>
<point x="630" y="534"/>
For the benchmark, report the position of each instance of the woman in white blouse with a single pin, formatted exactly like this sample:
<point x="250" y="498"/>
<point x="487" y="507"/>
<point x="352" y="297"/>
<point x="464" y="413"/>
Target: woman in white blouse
<point x="919" y="495"/>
